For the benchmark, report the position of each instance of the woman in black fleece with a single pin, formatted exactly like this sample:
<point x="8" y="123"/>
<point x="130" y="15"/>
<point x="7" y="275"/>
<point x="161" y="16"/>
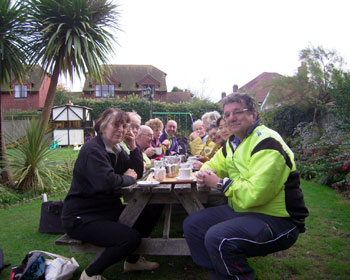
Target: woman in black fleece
<point x="92" y="207"/>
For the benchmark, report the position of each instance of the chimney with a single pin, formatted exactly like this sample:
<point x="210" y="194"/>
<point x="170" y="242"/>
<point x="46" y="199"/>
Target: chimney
<point x="223" y="95"/>
<point x="235" y="89"/>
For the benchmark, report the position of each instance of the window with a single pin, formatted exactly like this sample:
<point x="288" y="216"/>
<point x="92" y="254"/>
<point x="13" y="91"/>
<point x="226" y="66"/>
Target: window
<point x="20" y="91"/>
<point x="104" y="91"/>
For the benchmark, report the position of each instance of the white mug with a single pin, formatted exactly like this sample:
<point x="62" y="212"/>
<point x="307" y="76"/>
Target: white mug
<point x="185" y="173"/>
<point x="158" y="150"/>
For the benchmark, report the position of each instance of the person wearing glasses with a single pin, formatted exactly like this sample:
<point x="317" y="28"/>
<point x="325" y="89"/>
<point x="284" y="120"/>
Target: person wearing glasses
<point x="265" y="212"/>
<point x="92" y="206"/>
<point x="143" y="141"/>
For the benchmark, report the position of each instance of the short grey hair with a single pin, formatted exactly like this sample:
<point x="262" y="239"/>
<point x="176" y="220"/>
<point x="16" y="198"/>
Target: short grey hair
<point x="196" y="123"/>
<point x="134" y="114"/>
<point x="210" y="116"/>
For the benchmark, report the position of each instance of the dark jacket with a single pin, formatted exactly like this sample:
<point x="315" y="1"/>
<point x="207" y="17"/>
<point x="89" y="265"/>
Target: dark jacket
<point x="96" y="176"/>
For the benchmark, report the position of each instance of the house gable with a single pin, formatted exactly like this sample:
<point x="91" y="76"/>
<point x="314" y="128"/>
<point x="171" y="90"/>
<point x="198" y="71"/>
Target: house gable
<point x="260" y="86"/>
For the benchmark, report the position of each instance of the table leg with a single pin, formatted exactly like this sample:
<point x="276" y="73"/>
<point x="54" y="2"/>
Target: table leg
<point x="189" y="201"/>
<point x="167" y="220"/>
<point x="134" y="208"/>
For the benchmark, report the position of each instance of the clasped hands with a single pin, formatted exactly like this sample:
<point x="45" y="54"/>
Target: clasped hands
<point x="208" y="178"/>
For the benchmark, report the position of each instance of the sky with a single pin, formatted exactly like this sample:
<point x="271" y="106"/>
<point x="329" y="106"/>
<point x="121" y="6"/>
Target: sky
<point x="208" y="46"/>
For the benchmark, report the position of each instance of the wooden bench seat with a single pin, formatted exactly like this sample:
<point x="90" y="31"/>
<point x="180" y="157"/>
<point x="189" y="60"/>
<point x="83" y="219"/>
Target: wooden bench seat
<point x="149" y="246"/>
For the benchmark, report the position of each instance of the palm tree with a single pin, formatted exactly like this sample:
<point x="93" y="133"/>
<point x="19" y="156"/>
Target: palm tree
<point x="12" y="58"/>
<point x="70" y="36"/>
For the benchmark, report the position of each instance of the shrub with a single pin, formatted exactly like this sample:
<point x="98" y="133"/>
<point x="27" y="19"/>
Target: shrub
<point x="32" y="162"/>
<point x="324" y="156"/>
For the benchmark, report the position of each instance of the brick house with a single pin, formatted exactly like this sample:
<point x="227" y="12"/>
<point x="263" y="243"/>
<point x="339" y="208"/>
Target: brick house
<point x="30" y="95"/>
<point x="258" y="87"/>
<point x="126" y="80"/>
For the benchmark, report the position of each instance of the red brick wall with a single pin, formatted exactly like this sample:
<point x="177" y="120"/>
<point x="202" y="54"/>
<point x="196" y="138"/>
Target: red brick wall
<point x="8" y="102"/>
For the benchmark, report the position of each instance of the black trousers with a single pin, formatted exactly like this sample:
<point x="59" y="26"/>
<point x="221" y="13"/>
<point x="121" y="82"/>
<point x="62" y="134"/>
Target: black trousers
<point x="221" y="239"/>
<point x="120" y="240"/>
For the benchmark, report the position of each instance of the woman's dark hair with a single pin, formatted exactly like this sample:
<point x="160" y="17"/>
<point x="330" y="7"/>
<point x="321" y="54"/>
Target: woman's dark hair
<point x="219" y="120"/>
<point x="115" y="115"/>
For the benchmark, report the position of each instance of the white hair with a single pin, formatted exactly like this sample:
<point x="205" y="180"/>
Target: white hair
<point x="210" y="116"/>
<point x="200" y="122"/>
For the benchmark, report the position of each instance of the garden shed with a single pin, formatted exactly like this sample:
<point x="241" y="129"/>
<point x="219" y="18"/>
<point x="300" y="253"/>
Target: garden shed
<point x="70" y="123"/>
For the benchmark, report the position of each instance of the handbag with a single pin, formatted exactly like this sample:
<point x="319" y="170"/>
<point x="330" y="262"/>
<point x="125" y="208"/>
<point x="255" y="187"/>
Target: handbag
<point x="58" y="267"/>
<point x="50" y="220"/>
<point x="32" y="268"/>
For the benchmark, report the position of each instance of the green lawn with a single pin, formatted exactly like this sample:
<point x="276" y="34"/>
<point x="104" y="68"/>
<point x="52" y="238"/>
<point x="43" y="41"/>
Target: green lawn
<point x="323" y="252"/>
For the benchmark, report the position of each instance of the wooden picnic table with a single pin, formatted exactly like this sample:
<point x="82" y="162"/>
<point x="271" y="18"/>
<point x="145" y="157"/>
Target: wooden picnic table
<point x="169" y="192"/>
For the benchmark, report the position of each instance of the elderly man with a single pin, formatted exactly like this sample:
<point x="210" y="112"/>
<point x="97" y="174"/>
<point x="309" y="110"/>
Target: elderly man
<point x="143" y="141"/>
<point x="265" y="212"/>
<point x="169" y="134"/>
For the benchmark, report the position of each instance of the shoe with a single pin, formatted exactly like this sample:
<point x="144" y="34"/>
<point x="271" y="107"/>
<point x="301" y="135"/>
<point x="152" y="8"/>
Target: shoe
<point x="141" y="264"/>
<point x="84" y="276"/>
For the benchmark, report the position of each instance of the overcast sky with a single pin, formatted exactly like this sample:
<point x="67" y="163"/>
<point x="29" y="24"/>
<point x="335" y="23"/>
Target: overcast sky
<point x="208" y="46"/>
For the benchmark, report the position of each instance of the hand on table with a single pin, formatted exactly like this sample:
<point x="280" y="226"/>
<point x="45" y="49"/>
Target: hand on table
<point x="200" y="158"/>
<point x="131" y="172"/>
<point x="197" y="165"/>
<point x="208" y="178"/>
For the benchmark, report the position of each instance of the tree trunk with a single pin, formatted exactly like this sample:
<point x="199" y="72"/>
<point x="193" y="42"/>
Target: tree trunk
<point x="45" y="117"/>
<point x="6" y="175"/>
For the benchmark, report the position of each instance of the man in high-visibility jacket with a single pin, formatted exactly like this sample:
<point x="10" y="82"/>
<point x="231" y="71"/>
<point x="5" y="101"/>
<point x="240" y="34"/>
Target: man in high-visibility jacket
<point x="266" y="210"/>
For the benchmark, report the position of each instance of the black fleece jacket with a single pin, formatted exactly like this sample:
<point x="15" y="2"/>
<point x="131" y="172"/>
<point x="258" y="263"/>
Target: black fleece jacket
<point x="96" y="176"/>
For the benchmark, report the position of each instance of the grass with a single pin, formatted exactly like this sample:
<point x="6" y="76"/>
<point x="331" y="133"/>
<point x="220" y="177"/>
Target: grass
<point x="323" y="252"/>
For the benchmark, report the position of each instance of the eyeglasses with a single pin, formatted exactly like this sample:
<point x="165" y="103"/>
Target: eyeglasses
<point x="234" y="113"/>
<point x="148" y="135"/>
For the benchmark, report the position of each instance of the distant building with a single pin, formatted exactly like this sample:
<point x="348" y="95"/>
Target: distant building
<point x="124" y="80"/>
<point x="258" y="87"/>
<point x="30" y="95"/>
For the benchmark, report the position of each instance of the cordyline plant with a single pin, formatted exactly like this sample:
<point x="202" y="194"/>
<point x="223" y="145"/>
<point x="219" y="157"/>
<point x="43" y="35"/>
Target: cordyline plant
<point x="32" y="162"/>
<point x="13" y="50"/>
<point x="70" y="36"/>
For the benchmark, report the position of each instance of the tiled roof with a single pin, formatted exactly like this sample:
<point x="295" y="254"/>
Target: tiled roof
<point x="259" y="85"/>
<point x="128" y="76"/>
<point x="36" y="77"/>
<point x="177" y="97"/>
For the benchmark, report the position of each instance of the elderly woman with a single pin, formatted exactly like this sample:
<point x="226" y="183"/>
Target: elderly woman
<point x="92" y="207"/>
<point x="157" y="127"/>
<point x="200" y="143"/>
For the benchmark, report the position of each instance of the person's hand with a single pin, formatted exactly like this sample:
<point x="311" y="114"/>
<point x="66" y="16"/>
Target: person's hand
<point x="131" y="172"/>
<point x="200" y="158"/>
<point x="166" y="143"/>
<point x="193" y="135"/>
<point x="197" y="165"/>
<point x="150" y="151"/>
<point x="208" y="178"/>
<point x="129" y="139"/>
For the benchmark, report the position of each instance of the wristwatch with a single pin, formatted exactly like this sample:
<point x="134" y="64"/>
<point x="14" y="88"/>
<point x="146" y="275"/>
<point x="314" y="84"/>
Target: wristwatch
<point x="220" y="186"/>
<point x="224" y="184"/>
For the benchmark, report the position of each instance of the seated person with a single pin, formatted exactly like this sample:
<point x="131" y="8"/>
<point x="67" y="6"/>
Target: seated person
<point x="215" y="142"/>
<point x="157" y="127"/>
<point x="169" y="134"/>
<point x="143" y="141"/>
<point x="265" y="211"/>
<point x="92" y="208"/>
<point x="209" y="117"/>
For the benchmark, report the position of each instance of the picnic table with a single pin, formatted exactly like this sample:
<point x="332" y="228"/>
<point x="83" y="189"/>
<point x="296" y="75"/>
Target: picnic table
<point x="169" y="192"/>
